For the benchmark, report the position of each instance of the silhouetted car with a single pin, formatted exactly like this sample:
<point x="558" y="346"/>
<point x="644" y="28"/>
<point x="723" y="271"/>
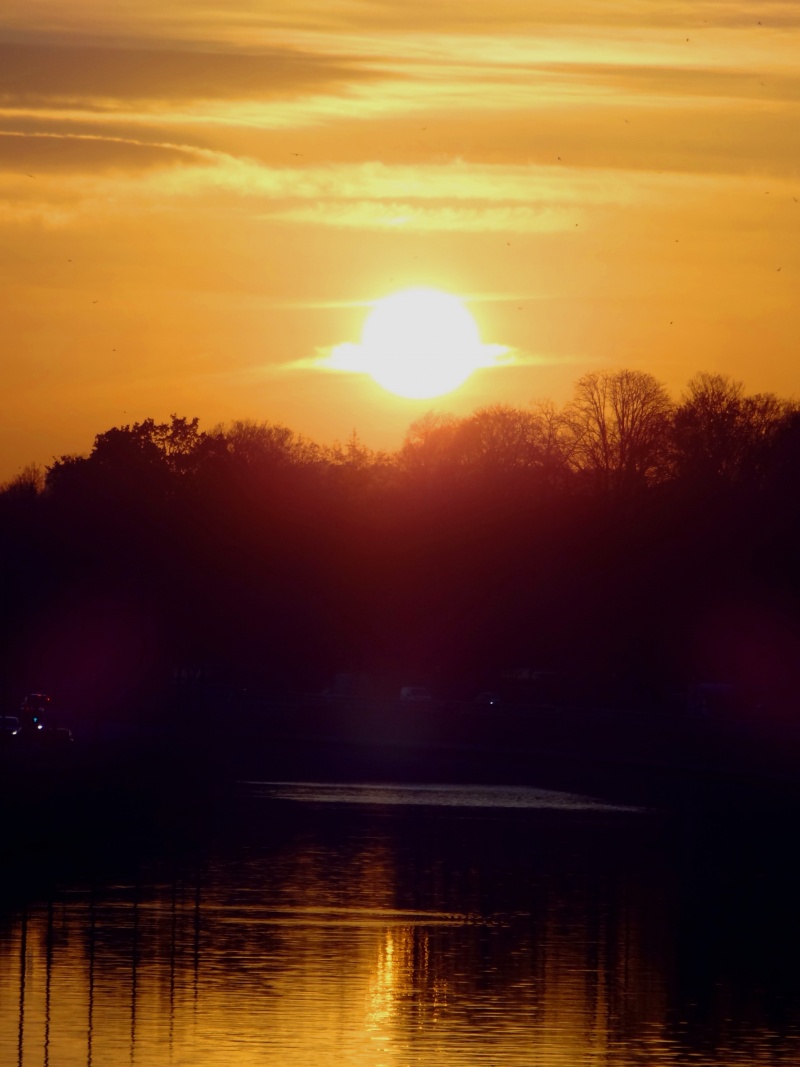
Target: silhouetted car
<point x="40" y="723"/>
<point x="33" y="711"/>
<point x="9" y="725"/>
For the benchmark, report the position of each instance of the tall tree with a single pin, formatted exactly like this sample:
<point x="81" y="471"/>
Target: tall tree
<point x="618" y="425"/>
<point x="721" y="435"/>
<point x="428" y="449"/>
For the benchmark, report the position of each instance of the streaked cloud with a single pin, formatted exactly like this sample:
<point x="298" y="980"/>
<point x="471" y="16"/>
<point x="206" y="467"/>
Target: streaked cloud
<point x="62" y="153"/>
<point x="105" y="78"/>
<point x="105" y="175"/>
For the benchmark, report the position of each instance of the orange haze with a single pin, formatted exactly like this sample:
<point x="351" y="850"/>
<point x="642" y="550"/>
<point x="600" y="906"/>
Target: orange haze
<point x="198" y="201"/>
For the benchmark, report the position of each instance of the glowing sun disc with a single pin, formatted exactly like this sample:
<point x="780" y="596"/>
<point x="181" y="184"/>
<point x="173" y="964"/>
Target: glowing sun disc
<point x="421" y="343"/>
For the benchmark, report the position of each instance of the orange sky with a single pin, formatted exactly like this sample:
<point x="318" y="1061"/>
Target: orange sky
<point x="199" y="200"/>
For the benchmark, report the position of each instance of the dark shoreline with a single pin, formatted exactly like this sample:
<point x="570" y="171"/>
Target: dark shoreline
<point x="174" y="782"/>
<point x="79" y="815"/>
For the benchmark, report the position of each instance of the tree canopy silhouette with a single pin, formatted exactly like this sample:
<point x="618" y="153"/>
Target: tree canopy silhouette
<point x="582" y="539"/>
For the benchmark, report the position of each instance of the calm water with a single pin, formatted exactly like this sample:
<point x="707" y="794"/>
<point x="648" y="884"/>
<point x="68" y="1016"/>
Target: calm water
<point x="383" y="926"/>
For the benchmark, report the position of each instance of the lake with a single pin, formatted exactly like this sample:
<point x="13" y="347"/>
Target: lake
<point x="386" y="925"/>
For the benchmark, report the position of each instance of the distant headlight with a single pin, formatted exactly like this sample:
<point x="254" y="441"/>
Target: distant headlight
<point x="39" y="726"/>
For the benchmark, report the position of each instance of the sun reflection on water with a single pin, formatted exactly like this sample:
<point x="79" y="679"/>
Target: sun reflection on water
<point x="402" y="936"/>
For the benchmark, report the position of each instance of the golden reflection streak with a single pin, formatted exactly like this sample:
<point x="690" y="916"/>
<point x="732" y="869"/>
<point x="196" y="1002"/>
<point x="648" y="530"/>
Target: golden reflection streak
<point x="394" y="979"/>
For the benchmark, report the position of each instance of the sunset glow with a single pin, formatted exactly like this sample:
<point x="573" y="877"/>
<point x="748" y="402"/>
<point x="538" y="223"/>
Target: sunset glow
<point x="198" y="203"/>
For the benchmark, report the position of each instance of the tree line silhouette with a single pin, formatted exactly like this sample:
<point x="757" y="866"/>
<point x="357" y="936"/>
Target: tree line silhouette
<point x="628" y="542"/>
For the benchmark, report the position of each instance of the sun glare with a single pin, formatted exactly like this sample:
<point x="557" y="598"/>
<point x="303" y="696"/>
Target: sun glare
<point x="422" y="343"/>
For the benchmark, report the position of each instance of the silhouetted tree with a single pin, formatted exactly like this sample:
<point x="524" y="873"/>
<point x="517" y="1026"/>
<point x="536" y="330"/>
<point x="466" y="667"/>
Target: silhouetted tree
<point x="502" y="438"/>
<point x="264" y="446"/>
<point x="128" y="461"/>
<point x="722" y="435"/>
<point x="253" y="551"/>
<point x="555" y="444"/>
<point x="619" y="422"/>
<point x="182" y="444"/>
<point x="27" y="484"/>
<point x="707" y="431"/>
<point x="429" y="453"/>
<point x="499" y="448"/>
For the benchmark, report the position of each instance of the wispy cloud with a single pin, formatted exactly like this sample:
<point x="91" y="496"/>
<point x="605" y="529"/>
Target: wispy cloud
<point x="82" y="152"/>
<point x="114" y="77"/>
<point x="111" y="174"/>
<point x="412" y="216"/>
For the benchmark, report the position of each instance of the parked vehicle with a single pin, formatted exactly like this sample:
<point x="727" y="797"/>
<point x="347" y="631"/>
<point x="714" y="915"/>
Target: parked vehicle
<point x="41" y="722"/>
<point x="9" y="725"/>
<point x="33" y="712"/>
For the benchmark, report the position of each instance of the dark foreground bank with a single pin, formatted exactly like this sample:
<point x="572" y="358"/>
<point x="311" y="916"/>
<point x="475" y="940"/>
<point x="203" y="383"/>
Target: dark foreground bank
<point x="99" y="793"/>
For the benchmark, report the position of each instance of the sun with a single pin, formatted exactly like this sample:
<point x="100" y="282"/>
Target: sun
<point x="418" y="343"/>
<point x="421" y="343"/>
